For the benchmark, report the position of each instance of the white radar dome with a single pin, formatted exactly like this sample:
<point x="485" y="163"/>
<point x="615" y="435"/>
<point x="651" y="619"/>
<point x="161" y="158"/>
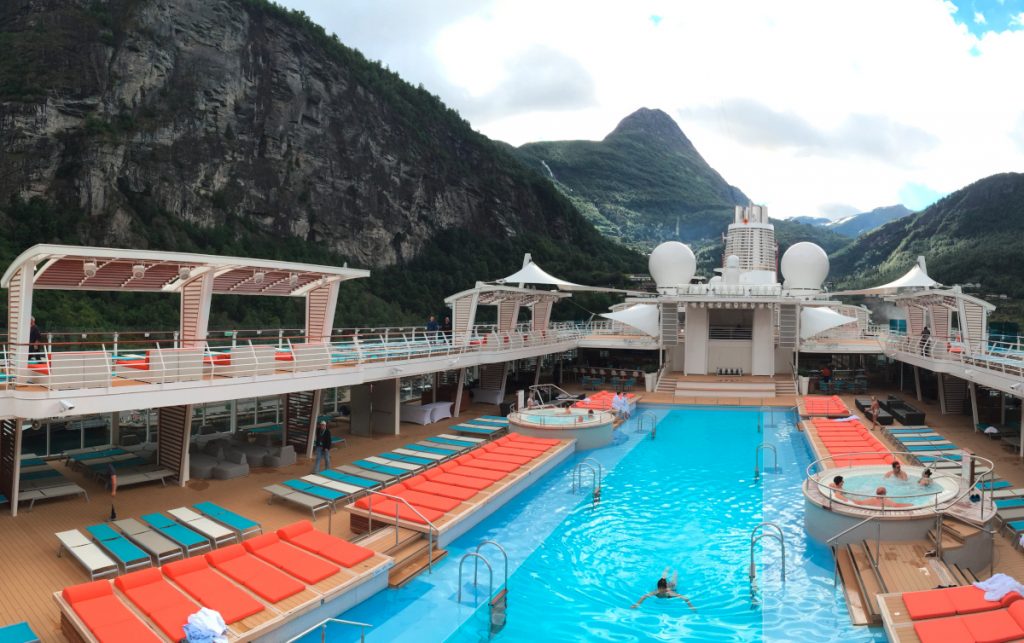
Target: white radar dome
<point x="804" y="266"/>
<point x="672" y="264"/>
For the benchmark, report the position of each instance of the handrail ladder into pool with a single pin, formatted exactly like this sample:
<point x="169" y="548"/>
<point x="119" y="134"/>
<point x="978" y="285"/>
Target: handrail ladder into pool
<point x="600" y="470"/>
<point x="432" y="529"/>
<point x="490" y="572"/>
<point x="595" y="484"/>
<point x="780" y="537"/>
<point x="757" y="461"/>
<point x="322" y="626"/>
<point x="503" y="553"/>
<point x="647" y="417"/>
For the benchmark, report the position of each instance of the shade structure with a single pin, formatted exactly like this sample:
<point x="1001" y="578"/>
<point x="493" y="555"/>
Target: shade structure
<point x="643" y="317"/>
<point x="531" y="273"/>
<point x="916" y="277"/>
<point x="817" y="320"/>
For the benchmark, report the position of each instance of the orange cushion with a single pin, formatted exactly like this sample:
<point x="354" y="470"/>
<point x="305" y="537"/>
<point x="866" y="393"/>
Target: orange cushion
<point x="269" y="583"/>
<point x="138" y="579"/>
<point x="212" y="590"/>
<point x="128" y="631"/>
<point x="928" y="604"/>
<point x="992" y="627"/>
<point x="171" y="618"/>
<point x="420" y="499"/>
<point x="298" y="563"/>
<point x="943" y="630"/>
<point x="87" y="591"/>
<point x="476" y="472"/>
<point x="446" y="490"/>
<point x="505" y="457"/>
<point x="333" y="548"/>
<point x="466" y="482"/>
<point x="294" y="529"/>
<point x="101" y="611"/>
<point x="969" y="599"/>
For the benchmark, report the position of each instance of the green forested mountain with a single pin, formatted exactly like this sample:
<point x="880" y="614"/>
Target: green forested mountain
<point x="646" y="183"/>
<point x="238" y="127"/>
<point x="971" y="236"/>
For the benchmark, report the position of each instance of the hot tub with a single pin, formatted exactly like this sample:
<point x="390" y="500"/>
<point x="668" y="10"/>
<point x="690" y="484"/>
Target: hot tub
<point x="590" y="429"/>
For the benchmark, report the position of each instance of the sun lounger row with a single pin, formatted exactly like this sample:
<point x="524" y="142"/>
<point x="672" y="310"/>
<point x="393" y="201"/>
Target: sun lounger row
<point x="850" y="444"/>
<point x="41" y="481"/>
<point x="155" y="540"/>
<point x="481" y="428"/>
<point x="438" y="491"/>
<point x="324" y="489"/>
<point x="832" y="406"/>
<point x="961" y="614"/>
<point x="272" y="567"/>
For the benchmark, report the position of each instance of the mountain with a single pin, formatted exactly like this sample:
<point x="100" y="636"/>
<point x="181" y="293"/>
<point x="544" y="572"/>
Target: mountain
<point x="239" y="127"/>
<point x="641" y="182"/>
<point x="971" y="236"/>
<point x="823" y="221"/>
<point x="858" y="224"/>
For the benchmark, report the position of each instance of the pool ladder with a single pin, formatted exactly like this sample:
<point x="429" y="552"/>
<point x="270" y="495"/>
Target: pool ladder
<point x="596" y="478"/>
<point x="498" y="602"/>
<point x="647" y="422"/>
<point x="754" y="539"/>
<point x="757" y="459"/>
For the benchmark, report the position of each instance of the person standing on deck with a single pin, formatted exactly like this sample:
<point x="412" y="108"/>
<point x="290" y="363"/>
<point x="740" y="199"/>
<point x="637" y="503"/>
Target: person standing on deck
<point x="446" y="329"/>
<point x="432" y="328"/>
<point x="35" y="343"/>
<point x="323" y="445"/>
<point x="875" y="408"/>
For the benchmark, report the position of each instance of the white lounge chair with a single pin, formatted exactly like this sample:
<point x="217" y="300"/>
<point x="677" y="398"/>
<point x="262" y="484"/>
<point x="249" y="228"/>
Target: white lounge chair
<point x="332" y="484"/>
<point x="462" y="438"/>
<point x="162" y="549"/>
<point x="312" y="503"/>
<point x="393" y="463"/>
<point x="216" y="532"/>
<point x="87" y="553"/>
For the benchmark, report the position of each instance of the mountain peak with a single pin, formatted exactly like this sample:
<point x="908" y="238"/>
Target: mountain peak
<point x="652" y="124"/>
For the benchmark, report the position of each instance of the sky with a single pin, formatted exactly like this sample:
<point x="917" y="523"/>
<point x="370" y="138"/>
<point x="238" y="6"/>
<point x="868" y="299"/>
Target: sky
<point x="814" y="108"/>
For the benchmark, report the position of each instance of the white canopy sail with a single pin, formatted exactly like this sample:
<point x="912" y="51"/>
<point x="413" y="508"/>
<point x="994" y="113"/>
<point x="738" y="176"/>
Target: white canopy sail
<point x="531" y="273"/>
<point x="916" y="277"/>
<point x="817" y="320"/>
<point x="643" y="317"/>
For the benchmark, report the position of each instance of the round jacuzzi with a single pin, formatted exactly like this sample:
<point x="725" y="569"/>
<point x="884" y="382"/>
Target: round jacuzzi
<point x="862" y="483"/>
<point x="590" y="429"/>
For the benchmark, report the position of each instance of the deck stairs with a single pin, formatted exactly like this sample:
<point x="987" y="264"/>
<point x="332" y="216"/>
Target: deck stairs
<point x="784" y="387"/>
<point x="667" y="384"/>
<point x="409" y="550"/>
<point x="730" y="387"/>
<point x="900" y="567"/>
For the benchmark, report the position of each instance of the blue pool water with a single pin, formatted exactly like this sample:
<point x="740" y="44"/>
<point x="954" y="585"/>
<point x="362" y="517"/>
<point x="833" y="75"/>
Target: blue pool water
<point x="687" y="499"/>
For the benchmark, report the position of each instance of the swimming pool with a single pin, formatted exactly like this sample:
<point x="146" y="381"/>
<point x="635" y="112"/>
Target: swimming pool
<point x="859" y="486"/>
<point x="687" y="499"/>
<point x="561" y="417"/>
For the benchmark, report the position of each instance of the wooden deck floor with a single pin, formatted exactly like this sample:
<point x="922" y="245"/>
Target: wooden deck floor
<point x="31" y="570"/>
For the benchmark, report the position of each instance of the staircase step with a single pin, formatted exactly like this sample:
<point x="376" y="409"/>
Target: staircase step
<point x="856" y="603"/>
<point x="383" y="540"/>
<point x="402" y="574"/>
<point x="958" y="529"/>
<point x="948" y="541"/>
<point x="871" y="583"/>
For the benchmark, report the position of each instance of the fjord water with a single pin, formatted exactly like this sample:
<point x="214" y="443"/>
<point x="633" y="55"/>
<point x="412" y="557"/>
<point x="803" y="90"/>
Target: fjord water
<point x="687" y="499"/>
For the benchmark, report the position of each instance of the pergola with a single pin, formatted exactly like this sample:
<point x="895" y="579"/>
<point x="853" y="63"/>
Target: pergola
<point x="195" y="278"/>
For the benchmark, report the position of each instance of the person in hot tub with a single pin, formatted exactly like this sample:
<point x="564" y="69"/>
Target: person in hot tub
<point x="881" y="501"/>
<point x="926" y="478"/>
<point x="896" y="472"/>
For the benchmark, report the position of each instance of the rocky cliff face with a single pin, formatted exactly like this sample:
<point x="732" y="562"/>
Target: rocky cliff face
<point x="235" y="114"/>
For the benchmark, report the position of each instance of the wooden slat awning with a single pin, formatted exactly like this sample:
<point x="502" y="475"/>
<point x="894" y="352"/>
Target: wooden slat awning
<point x="91" y="269"/>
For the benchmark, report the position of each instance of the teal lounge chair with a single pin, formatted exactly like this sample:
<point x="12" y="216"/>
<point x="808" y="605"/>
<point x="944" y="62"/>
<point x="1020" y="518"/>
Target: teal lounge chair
<point x="230" y="519"/>
<point x="124" y="551"/>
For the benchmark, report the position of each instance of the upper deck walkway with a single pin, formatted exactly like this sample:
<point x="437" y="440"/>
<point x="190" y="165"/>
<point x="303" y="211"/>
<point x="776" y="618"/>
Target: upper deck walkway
<point x="996" y="365"/>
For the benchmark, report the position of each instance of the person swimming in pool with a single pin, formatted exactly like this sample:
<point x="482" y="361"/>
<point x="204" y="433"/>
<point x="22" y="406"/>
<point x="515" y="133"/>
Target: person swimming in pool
<point x="926" y="478"/>
<point x="837" y="488"/>
<point x="666" y="589"/>
<point x="896" y="472"/>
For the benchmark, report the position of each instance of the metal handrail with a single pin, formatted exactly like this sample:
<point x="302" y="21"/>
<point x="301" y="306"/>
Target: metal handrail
<point x="600" y="470"/>
<point x="322" y="625"/>
<point x="780" y="537"/>
<point x="577" y="477"/>
<point x="490" y="583"/>
<point x="503" y="553"/>
<point x="757" y="452"/>
<point x="430" y="532"/>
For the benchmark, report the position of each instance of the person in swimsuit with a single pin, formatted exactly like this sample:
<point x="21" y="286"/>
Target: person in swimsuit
<point x="926" y="478"/>
<point x="837" y="488"/>
<point x="875" y="408"/>
<point x="896" y="472"/>
<point x="666" y="589"/>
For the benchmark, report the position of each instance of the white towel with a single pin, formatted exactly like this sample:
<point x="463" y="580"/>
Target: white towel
<point x="998" y="586"/>
<point x="210" y="624"/>
<point x="849" y="418"/>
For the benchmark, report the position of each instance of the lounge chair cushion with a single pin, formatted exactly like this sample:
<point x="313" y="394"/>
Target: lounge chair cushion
<point x="928" y="604"/>
<point x="943" y="630"/>
<point x="300" y="564"/>
<point x="212" y="590"/>
<point x="992" y="627"/>
<point x="267" y="582"/>
<point x="969" y="599"/>
<point x="466" y="482"/>
<point x="334" y="549"/>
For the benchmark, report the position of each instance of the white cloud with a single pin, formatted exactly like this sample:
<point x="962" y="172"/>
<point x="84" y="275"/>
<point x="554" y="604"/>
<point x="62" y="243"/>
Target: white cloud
<point x="1017" y="20"/>
<point x="979" y="18"/>
<point x="799" y="103"/>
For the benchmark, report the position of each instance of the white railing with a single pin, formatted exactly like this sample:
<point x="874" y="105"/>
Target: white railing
<point x="997" y="357"/>
<point x="165" y="358"/>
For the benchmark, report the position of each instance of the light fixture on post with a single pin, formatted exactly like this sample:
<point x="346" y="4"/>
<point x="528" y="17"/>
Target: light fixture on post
<point x="66" y="405"/>
<point x="138" y="271"/>
<point x="293" y="279"/>
<point x="258" y="277"/>
<point x="89" y="268"/>
<point x="184" y="272"/>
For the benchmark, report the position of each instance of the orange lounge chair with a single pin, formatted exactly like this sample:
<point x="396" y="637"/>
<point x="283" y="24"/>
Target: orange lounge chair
<point x="993" y="626"/>
<point x="420" y="483"/>
<point x="300" y="564"/>
<point x="211" y="589"/>
<point x="103" y="613"/>
<point x="337" y="550"/>
<point x="167" y="607"/>
<point x="484" y="462"/>
<point x="387" y="508"/>
<point x="266" y="581"/>
<point x="519" y="437"/>
<point x="470" y="472"/>
<point x="455" y="480"/>
<point x="968" y="599"/>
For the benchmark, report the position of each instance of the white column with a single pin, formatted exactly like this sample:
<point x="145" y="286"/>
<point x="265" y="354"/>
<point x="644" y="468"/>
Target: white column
<point x="917" y="384"/>
<point x="458" y="393"/>
<point x="974" y="404"/>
